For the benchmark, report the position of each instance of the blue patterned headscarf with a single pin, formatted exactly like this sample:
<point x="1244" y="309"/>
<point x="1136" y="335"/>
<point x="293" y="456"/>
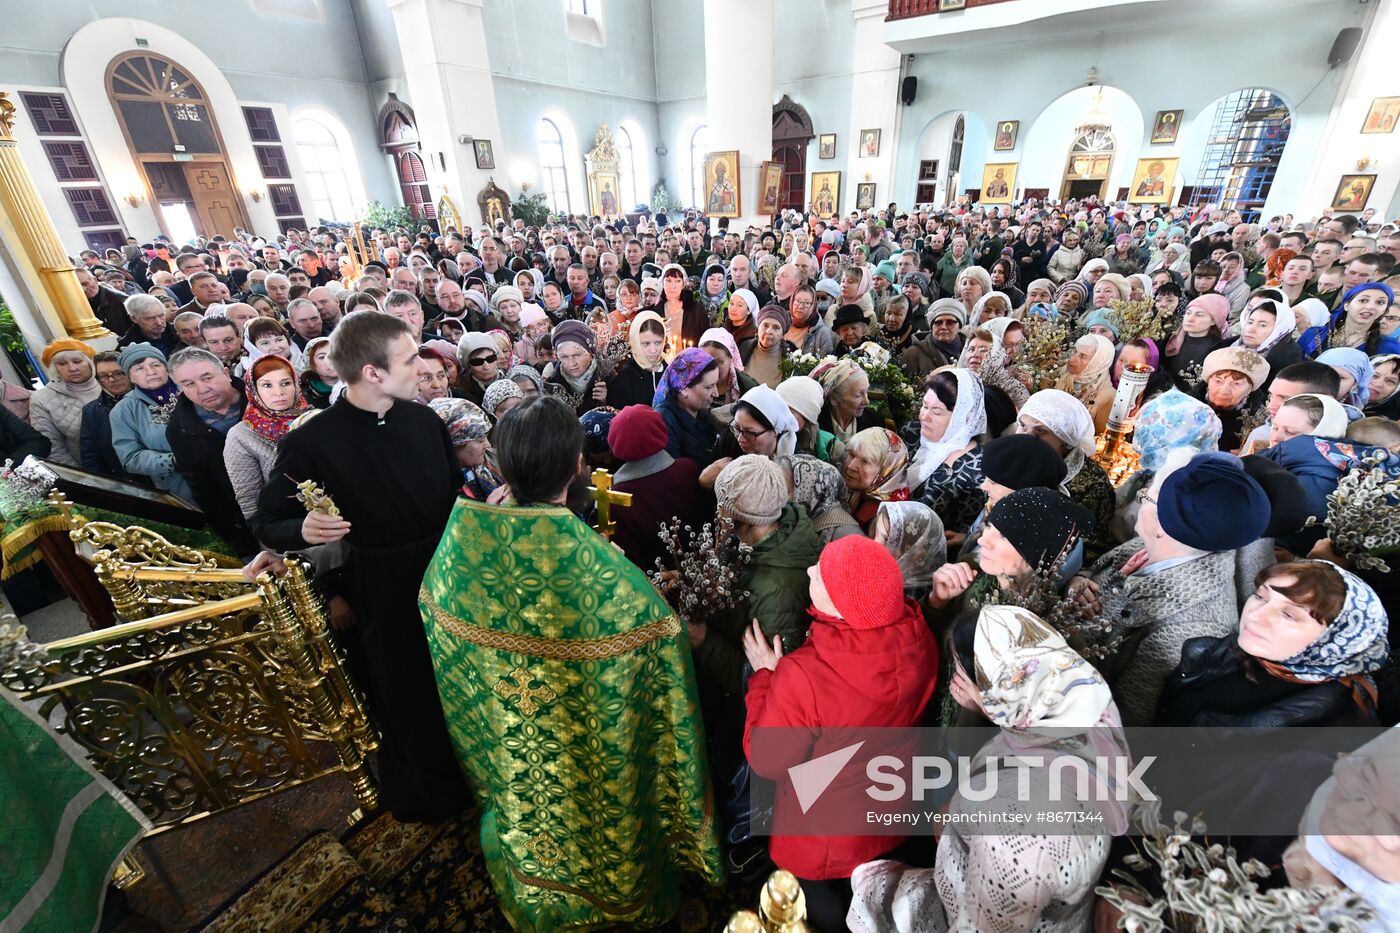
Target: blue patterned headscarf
<point x="1355" y="643"/>
<point x="687" y="367"/>
<point x="1174" y="419"/>
<point x="1358" y="365"/>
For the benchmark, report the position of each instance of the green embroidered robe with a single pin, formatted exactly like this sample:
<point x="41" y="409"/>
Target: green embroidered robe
<point x="570" y="697"/>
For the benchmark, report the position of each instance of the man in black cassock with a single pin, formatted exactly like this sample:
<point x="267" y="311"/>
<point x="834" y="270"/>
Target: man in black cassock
<point x="388" y="464"/>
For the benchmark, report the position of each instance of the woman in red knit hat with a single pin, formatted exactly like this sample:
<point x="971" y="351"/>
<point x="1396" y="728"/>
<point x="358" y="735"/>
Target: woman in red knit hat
<point x="869" y="661"/>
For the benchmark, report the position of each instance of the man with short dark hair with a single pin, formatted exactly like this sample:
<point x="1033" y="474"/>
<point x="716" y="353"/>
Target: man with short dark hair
<point x="317" y="274"/>
<point x="223" y="339"/>
<point x="515" y="558"/>
<point x="493" y="262"/>
<point x="205" y="287"/>
<point x="1029" y="255"/>
<point x="388" y="465"/>
<point x="1307" y="376"/>
<point x="211" y="403"/>
<point x="581" y="298"/>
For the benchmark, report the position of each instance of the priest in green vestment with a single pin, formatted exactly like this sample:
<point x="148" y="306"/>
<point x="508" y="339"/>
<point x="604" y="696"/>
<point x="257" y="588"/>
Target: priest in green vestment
<point x="570" y="697"/>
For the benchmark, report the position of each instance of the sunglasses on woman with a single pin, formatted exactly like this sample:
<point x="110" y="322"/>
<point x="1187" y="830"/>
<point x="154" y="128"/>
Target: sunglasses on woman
<point x="482" y="360"/>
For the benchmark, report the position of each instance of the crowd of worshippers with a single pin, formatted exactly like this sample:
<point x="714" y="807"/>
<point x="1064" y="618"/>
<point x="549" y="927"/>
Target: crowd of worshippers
<point x="673" y="344"/>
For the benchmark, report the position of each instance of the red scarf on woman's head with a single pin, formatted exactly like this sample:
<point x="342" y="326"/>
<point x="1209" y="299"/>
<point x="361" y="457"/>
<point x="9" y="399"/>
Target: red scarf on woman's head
<point x="272" y="425"/>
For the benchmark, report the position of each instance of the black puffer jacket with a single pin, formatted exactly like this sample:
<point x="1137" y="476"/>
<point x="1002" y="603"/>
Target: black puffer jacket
<point x="1212" y="686"/>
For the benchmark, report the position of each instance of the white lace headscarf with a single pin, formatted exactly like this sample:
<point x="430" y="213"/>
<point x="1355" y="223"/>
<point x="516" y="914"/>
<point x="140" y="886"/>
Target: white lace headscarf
<point x="1066" y="418"/>
<point x="969" y="420"/>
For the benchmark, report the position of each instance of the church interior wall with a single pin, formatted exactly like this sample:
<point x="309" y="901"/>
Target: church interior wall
<point x="649" y="68"/>
<point x="1138" y="63"/>
<point x="590" y="84"/>
<point x="678" y="36"/>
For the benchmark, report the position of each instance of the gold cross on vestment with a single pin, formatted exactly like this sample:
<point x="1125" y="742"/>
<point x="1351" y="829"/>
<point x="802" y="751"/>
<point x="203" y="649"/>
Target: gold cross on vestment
<point x="606" y="499"/>
<point x="516" y="686"/>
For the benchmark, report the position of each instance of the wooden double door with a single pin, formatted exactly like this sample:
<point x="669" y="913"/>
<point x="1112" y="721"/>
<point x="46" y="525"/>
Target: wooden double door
<point x="204" y="188"/>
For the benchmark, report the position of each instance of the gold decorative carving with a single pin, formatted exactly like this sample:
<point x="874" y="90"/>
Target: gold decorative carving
<point x="582" y="649"/>
<point x="515" y="687"/>
<point x="209" y="706"/>
<point x="7" y="116"/>
<point x="545" y="850"/>
<point x="604" y="151"/>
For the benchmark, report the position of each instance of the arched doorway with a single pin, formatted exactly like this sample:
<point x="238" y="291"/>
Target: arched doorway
<point x="1089" y="163"/>
<point x="398" y="136"/>
<point x="170" y="130"/>
<point x="792" y="131"/>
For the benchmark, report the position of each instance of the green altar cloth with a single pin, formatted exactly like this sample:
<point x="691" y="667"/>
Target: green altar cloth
<point x="64" y="825"/>
<point x="23" y="522"/>
<point x="570" y="697"/>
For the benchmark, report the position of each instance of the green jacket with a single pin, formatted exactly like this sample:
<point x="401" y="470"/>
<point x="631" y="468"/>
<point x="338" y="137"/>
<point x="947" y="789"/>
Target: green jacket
<point x="776" y="578"/>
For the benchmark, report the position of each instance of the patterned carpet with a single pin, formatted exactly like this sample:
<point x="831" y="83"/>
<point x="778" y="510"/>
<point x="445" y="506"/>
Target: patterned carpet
<point x="392" y="876"/>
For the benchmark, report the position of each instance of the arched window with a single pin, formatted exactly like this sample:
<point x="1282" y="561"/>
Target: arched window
<point x="413" y="180"/>
<point x="626" y="168"/>
<point x="553" y="177"/>
<point x="326" y="171"/>
<point x="1247" y="135"/>
<point x="699" y="145"/>
<point x="955" y="150"/>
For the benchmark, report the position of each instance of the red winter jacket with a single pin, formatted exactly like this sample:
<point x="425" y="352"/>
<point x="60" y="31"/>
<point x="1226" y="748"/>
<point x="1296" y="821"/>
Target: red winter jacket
<point x="841" y="676"/>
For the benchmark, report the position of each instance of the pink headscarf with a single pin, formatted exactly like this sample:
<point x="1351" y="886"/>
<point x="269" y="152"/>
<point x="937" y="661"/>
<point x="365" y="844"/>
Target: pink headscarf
<point x="1212" y="303"/>
<point x="736" y="362"/>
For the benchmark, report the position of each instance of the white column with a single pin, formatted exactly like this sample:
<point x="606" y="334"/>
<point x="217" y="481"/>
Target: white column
<point x="874" y="105"/>
<point x="448" y="68"/>
<point x="739" y="92"/>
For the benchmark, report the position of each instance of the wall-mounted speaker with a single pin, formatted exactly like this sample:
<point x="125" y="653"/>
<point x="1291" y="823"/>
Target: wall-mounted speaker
<point x="1344" y="46"/>
<point x="910" y="87"/>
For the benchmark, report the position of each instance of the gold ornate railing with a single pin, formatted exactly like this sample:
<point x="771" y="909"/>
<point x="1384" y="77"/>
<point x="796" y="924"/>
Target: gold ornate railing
<point x="209" y="706"/>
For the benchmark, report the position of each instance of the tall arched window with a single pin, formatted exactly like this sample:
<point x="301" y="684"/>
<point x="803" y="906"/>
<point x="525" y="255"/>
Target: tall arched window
<point x="413" y="181"/>
<point x="626" y="168"/>
<point x="325" y="168"/>
<point x="955" y="150"/>
<point x="549" y="142"/>
<point x="699" y="145"/>
<point x="1247" y="135"/>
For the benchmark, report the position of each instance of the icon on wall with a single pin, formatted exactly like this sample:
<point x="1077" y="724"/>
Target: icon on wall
<point x="722" y="183"/>
<point x="770" y="186"/>
<point x="826" y="193"/>
<point x="869" y="144"/>
<point x="865" y="196"/>
<point x="602" y="191"/>
<point x="1153" y="180"/>
<point x="484" y="156"/>
<point x="1166" y="126"/>
<point x="1006" y="134"/>
<point x="826" y="146"/>
<point x="998" y="182"/>
<point x="946" y="5"/>
<point x="1382" y="116"/>
<point x="1353" y="191"/>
